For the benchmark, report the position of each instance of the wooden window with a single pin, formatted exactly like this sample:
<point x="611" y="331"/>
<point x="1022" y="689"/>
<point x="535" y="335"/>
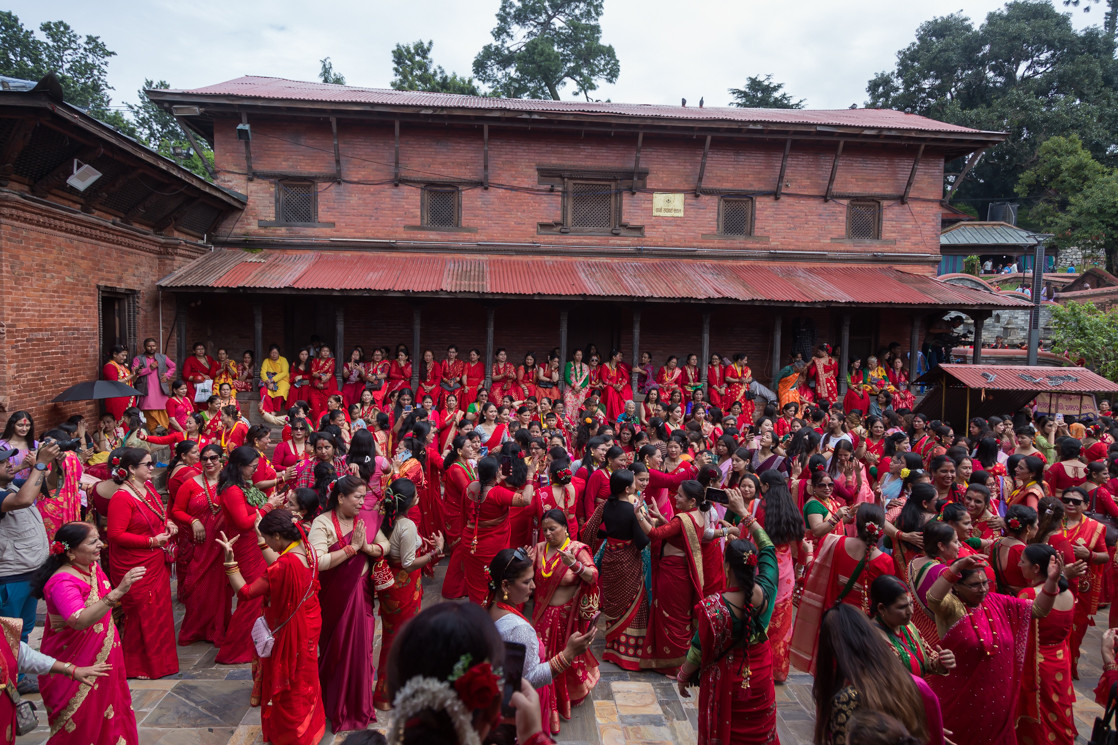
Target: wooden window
<point x="593" y="205"/>
<point x="441" y="207"/>
<point x="296" y="202"/>
<point x="863" y="220"/>
<point x="735" y="216"/>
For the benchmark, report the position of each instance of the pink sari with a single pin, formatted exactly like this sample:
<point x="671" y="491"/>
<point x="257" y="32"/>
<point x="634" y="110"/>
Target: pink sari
<point x="82" y="714"/>
<point x="65" y="505"/>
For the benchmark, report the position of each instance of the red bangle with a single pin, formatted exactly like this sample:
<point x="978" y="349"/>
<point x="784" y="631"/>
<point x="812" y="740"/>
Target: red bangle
<point x="1050" y="594"/>
<point x="951" y="575"/>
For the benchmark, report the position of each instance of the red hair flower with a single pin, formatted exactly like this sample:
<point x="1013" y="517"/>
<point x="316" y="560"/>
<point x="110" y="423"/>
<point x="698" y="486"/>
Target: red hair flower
<point x="563" y="474"/>
<point x="1014" y="523"/>
<point x="750" y="559"/>
<point x="478" y="687"/>
<point x="58" y="547"/>
<point x="873" y="530"/>
<point x="116" y="460"/>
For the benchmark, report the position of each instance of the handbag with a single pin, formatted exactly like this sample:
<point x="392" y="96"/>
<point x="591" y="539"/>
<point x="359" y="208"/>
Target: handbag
<point x="450" y="386"/>
<point x="1103" y="733"/>
<point x="26" y="721"/>
<point x="264" y="638"/>
<point x="1109" y="522"/>
<point x="203" y="391"/>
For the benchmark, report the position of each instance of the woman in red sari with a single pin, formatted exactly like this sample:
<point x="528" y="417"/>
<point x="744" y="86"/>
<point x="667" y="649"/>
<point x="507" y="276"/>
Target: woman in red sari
<point x="616" y="388"/>
<point x="738" y="378"/>
<point x="566" y="602"/>
<point x="203" y="589"/>
<point x="1044" y="706"/>
<point x="80" y="630"/>
<point x="458" y="474"/>
<point x="899" y="379"/>
<point x="323" y="382"/>
<point x="502" y="377"/>
<point x="692" y="379"/>
<point x="524" y="384"/>
<point x="399" y="372"/>
<point x="343" y="540"/>
<point x="452" y="373"/>
<point x="179" y="407"/>
<point x="823" y="370"/>
<point x="669" y="378"/>
<point x="487" y="527"/>
<point x="1085" y="539"/>
<point x="354" y="374"/>
<point x="139" y="532"/>
<point x="287" y="594"/>
<point x="716" y="383"/>
<point x="407" y="553"/>
<point x="197" y="369"/>
<point x="183" y="466"/>
<point x="430" y="377"/>
<point x="116" y="369"/>
<point x="684" y="570"/>
<point x="300" y="379"/>
<point x="473" y="378"/>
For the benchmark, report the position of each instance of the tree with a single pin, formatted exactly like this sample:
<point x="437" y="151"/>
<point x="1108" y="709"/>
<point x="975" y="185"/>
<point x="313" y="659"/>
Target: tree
<point x="414" y="70"/>
<point x="327" y="74"/>
<point x="1110" y="19"/>
<point x="160" y="131"/>
<point x="1024" y="71"/>
<point x="1082" y="330"/>
<point x="539" y="46"/>
<point x="762" y="93"/>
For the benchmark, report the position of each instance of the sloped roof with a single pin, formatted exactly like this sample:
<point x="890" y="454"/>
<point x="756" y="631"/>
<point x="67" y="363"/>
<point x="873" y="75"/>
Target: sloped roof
<point x="1024" y="378"/>
<point x="988" y="234"/>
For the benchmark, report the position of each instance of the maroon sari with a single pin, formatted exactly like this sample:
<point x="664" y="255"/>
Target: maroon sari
<point x="204" y="590"/>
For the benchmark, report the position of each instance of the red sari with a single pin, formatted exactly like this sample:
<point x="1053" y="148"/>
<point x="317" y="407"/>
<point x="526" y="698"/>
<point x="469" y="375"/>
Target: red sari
<point x="555" y="623"/>
<point x="398" y="604"/>
<point x="195" y="371"/>
<point x="486" y="532"/>
<point x="184" y="541"/>
<point x="430" y="377"/>
<point x="1044" y="706"/>
<point x="456" y="479"/>
<point x="525" y="384"/>
<point x="1091" y="535"/>
<point x="119" y="373"/>
<point x="149" y="641"/>
<point x="354" y="385"/>
<point x="500" y="388"/>
<point x="716" y="387"/>
<point x="321" y="390"/>
<point x="399" y="377"/>
<point x="300" y="388"/>
<point x="736" y="391"/>
<point x="451" y="375"/>
<point x="203" y="589"/>
<point x="475" y="379"/>
<point x="692" y="381"/>
<point x="616" y="389"/>
<point x="240" y="519"/>
<point x="669" y="381"/>
<point x="292" y="712"/>
<point x="824" y="371"/>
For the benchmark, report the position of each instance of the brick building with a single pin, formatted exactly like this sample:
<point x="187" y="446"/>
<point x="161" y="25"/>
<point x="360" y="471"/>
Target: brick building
<point x="377" y="217"/>
<point x="80" y="253"/>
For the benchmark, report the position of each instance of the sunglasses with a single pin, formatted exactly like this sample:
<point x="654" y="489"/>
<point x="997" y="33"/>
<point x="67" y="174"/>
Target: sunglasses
<point x="826" y="486"/>
<point x="210" y="458"/>
<point x="1073" y="502"/>
<point x="298" y="429"/>
<point x="145" y="464"/>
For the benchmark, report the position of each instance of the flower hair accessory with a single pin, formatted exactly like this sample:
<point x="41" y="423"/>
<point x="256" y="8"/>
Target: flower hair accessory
<point x="749" y="558"/>
<point x="563" y="474"/>
<point x="820" y="468"/>
<point x="905" y="473"/>
<point x="873" y="530"/>
<point x="1014" y="523"/>
<point x="116" y="460"/>
<point x="588" y="420"/>
<point x="58" y="547"/>
<point x="120" y="473"/>
<point x="467" y="688"/>
<point x="478" y="685"/>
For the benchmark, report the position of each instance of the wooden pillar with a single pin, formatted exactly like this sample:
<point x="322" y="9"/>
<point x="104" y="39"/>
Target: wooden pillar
<point x="340" y="355"/>
<point x="914" y="346"/>
<point x="636" y="346"/>
<point x="489" y="312"/>
<point x="704" y="355"/>
<point x="562" y="348"/>
<point x="844" y="353"/>
<point x="778" y="321"/>
<point x="258" y="335"/>
<point x="181" y="310"/>
<point x="976" y="353"/>
<point x="416" y="354"/>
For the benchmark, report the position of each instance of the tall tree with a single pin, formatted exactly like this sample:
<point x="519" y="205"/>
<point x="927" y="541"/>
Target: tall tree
<point x="160" y="131"/>
<point x="414" y="70"/>
<point x="539" y="46"/>
<point x="762" y="93"/>
<point x="1024" y="71"/>
<point x="1110" y="18"/>
<point x="327" y="74"/>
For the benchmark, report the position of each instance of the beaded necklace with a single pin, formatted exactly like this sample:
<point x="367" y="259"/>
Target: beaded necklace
<point x="157" y="511"/>
<point x="989" y="624"/>
<point x="903" y="644"/>
<point x="210" y="499"/>
<point x="549" y="569"/>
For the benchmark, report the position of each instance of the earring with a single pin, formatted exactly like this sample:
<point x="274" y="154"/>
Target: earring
<point x="506" y="595"/>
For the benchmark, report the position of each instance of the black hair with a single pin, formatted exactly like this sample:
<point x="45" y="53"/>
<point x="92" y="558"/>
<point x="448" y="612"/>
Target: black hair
<point x="129" y="458"/>
<point x="342" y="487"/>
<point x="912" y="518"/>
<point x="556" y="515"/>
<point x="738" y="552"/>
<point x="181" y="449"/>
<point x="885" y="590"/>
<point x="1024" y="514"/>
<point x="936" y="533"/>
<point x="1069" y="448"/>
<point x="619" y="481"/>
<point x="1036" y="468"/>
<point x="692" y="489"/>
<point x="72" y="535"/>
<point x="231" y="474"/>
<point x="1040" y="554"/>
<point x="308" y="502"/>
<point x="506" y="565"/>
<point x="280" y="522"/>
<point x="399" y="496"/>
<point x="10" y="427"/>
<point x="783" y="522"/>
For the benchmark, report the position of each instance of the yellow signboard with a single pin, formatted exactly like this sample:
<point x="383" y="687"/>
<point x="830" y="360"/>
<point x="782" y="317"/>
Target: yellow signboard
<point x="667" y="205"/>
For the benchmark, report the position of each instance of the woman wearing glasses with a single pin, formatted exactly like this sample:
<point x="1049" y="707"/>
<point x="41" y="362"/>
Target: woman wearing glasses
<point x="203" y="589"/>
<point x="292" y="452"/>
<point x="823" y="513"/>
<point x="139" y="531"/>
<point x="1081" y="539"/>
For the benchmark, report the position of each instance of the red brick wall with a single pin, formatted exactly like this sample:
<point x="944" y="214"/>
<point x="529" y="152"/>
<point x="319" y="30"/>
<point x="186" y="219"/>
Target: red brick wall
<point x="375" y="208"/>
<point x="51" y="265"/>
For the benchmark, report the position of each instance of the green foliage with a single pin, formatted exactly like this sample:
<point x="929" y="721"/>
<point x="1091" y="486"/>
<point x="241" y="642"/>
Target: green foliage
<point x="1025" y="71"/>
<point x="161" y="132"/>
<point x="1082" y="330"/>
<point x="762" y="93"/>
<point x="1110" y="19"/>
<point x="539" y="46"/>
<point x="414" y="70"/>
<point x="327" y="74"/>
<point x="972" y="265"/>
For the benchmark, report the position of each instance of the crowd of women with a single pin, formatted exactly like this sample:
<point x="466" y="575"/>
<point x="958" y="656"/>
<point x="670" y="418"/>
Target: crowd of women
<point x="710" y="533"/>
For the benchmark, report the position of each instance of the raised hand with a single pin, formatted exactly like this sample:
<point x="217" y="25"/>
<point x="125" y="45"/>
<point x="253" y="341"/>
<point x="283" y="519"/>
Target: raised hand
<point x="130" y="577"/>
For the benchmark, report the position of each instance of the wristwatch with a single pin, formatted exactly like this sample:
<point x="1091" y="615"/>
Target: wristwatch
<point x="40" y="466"/>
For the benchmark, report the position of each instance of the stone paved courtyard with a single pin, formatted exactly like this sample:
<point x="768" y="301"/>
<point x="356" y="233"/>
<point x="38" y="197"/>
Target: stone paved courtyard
<point x="207" y="704"/>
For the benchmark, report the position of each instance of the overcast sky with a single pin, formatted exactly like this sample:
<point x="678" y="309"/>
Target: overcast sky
<point x="824" y="52"/>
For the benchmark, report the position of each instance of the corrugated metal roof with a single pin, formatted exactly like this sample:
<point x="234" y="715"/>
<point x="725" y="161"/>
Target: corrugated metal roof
<point x="988" y="234"/>
<point x="253" y="86"/>
<point x="1025" y="378"/>
<point x="546" y="276"/>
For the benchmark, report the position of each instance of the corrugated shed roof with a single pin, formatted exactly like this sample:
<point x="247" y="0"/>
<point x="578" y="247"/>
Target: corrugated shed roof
<point x="546" y="276"/>
<point x="988" y="234"/>
<point x="280" y="89"/>
<point x="1025" y="378"/>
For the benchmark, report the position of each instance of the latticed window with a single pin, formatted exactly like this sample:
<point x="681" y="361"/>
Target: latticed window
<point x="735" y="216"/>
<point x="440" y="207"/>
<point x="296" y="202"/>
<point x="863" y="220"/>
<point x="592" y="204"/>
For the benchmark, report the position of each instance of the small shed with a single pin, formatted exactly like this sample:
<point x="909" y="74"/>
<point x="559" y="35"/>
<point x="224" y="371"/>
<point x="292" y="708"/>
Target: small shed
<point x="958" y="392"/>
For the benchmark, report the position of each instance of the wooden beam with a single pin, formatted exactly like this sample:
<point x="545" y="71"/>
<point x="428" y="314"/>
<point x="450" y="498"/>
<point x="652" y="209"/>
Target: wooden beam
<point x="783" y="169"/>
<point x="704" y="354"/>
<point x="971" y="161"/>
<point x="141" y="207"/>
<point x="194" y="144"/>
<point x="60" y="173"/>
<point x="339" y="339"/>
<point x="168" y="220"/>
<point x="702" y="172"/>
<point x="562" y="346"/>
<point x="489" y="314"/>
<point x="485" y="156"/>
<point x="636" y="346"/>
<point x="844" y="353"/>
<point x="912" y="174"/>
<point x="834" y="172"/>
<point x="778" y="320"/>
<point x="248" y="149"/>
<point x="337" y="152"/>
<point x="396" y="167"/>
<point x="637" y="162"/>
<point x="15" y="144"/>
<point x="416" y="355"/>
<point x="258" y="331"/>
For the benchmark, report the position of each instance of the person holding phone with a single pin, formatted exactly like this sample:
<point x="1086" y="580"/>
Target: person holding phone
<point x="511" y="584"/>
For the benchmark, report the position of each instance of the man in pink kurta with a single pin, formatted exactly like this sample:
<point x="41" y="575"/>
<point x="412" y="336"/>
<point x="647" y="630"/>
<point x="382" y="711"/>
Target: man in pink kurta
<point x="155" y="371"/>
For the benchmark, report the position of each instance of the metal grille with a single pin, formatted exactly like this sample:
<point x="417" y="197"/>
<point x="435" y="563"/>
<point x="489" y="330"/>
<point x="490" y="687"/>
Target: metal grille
<point x="735" y="216"/>
<point x="295" y="202"/>
<point x="441" y="208"/>
<point x="591" y="205"/>
<point x="863" y="220"/>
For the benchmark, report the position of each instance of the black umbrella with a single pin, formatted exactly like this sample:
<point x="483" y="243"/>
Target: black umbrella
<point x="95" y="389"/>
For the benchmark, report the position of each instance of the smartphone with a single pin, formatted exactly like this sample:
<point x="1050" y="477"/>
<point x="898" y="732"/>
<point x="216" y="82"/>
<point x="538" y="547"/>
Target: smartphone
<point x="1059" y="419"/>
<point x="718" y="496"/>
<point x="506" y="465"/>
<point x="514" y="670"/>
<point x="408" y="409"/>
<point x="483" y="451"/>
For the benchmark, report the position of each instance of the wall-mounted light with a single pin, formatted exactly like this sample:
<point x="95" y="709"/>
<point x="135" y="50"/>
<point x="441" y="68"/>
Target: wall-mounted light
<point x="84" y="176"/>
<point x="244" y="132"/>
